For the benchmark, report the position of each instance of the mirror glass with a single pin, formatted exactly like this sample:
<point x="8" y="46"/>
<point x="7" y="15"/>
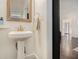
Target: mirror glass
<point x="19" y="10"/>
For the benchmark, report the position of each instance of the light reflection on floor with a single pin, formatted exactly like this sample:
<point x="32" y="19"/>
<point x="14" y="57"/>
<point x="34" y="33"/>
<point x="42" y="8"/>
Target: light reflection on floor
<point x="66" y="51"/>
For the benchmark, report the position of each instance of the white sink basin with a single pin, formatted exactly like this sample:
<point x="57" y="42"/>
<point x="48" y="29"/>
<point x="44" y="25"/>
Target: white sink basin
<point x="20" y="34"/>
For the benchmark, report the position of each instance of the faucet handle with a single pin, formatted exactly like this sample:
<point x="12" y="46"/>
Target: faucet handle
<point x="20" y="28"/>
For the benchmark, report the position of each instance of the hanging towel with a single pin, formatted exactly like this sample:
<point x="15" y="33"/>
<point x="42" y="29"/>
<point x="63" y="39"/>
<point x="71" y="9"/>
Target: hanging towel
<point x="38" y="24"/>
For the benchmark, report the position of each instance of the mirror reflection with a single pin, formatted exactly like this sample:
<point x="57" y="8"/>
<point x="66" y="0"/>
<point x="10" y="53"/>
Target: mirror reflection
<point x="19" y="10"/>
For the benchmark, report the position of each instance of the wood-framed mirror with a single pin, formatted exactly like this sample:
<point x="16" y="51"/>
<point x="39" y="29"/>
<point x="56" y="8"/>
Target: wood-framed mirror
<point x="19" y="10"/>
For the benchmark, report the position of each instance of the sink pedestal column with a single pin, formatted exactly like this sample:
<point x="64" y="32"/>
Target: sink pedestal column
<point x="19" y="37"/>
<point x="20" y="50"/>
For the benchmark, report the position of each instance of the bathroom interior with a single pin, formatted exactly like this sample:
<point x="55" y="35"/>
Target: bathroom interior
<point x="69" y="29"/>
<point x="26" y="26"/>
<point x="65" y="29"/>
<point x="23" y="29"/>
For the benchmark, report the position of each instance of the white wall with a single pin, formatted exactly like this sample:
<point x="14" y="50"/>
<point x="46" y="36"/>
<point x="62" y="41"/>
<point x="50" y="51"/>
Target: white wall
<point x="41" y="46"/>
<point x="69" y="10"/>
<point x="7" y="46"/>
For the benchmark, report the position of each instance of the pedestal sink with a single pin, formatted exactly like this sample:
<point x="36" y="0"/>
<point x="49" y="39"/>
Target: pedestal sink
<point x="20" y="36"/>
